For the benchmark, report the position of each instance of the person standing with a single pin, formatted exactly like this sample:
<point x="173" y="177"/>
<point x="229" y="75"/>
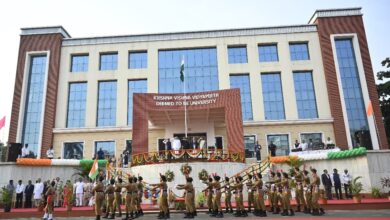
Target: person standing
<point x="28" y="192"/>
<point x="19" y="194"/>
<point x="304" y="145"/>
<point x="307" y="190"/>
<point x="259" y="196"/>
<point x="98" y="191"/>
<point x="128" y="202"/>
<point x="285" y="183"/>
<point x="140" y="190"/>
<point x="189" y="196"/>
<point x="25" y="151"/>
<point x="347" y="179"/>
<point x="310" y="145"/>
<point x="38" y="190"/>
<point x="109" y="192"/>
<point x="337" y="184"/>
<point x="134" y="197"/>
<point x="68" y="194"/>
<point x="126" y="160"/>
<point x="209" y="190"/>
<point x="258" y="151"/>
<point x="100" y="154"/>
<point x="228" y="195"/>
<point x="50" y="153"/>
<point x="163" y="197"/>
<point x="50" y="193"/>
<point x="272" y="149"/>
<point x="327" y="182"/>
<point x="271" y="190"/>
<point x="249" y="186"/>
<point x="240" y="210"/>
<point x="79" y="192"/>
<point x="315" y="184"/>
<point x="217" y="197"/>
<point x="299" y="190"/>
<point x="118" y="197"/>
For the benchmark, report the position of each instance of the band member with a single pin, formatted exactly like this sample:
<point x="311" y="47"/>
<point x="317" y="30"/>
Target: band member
<point x="163" y="200"/>
<point x="217" y="210"/>
<point x="240" y="211"/>
<point x="99" y="197"/>
<point x="317" y="210"/>
<point x="50" y="193"/>
<point x="259" y="196"/>
<point x="109" y="192"/>
<point x="307" y="191"/>
<point x="140" y="188"/>
<point x="189" y="197"/>
<point x="209" y="189"/>
<point x="299" y="197"/>
<point x="249" y="186"/>
<point x="118" y="196"/>
<point x="286" y="195"/>
<point x="228" y="195"/>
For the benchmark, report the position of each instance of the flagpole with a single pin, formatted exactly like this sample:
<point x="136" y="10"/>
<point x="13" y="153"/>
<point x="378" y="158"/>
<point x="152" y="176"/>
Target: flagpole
<point x="185" y="102"/>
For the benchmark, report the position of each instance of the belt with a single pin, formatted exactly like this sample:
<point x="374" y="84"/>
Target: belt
<point x="110" y="193"/>
<point x="99" y="191"/>
<point x="189" y="191"/>
<point x="129" y="192"/>
<point x="117" y="191"/>
<point x="165" y="190"/>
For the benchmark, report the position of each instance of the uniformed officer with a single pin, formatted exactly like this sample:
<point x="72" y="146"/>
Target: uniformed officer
<point x="50" y="193"/>
<point x="286" y="193"/>
<point x="209" y="189"/>
<point x="240" y="211"/>
<point x="128" y="201"/>
<point x="307" y="191"/>
<point x="228" y="195"/>
<point x="299" y="197"/>
<point x="271" y="190"/>
<point x="259" y="196"/>
<point x="98" y="191"/>
<point x="134" y="197"/>
<point x="189" y="197"/>
<point x="249" y="186"/>
<point x="109" y="192"/>
<point x="118" y="196"/>
<point x="140" y="187"/>
<point x="317" y="210"/>
<point x="163" y="200"/>
<point x="217" y="210"/>
<point x="278" y="193"/>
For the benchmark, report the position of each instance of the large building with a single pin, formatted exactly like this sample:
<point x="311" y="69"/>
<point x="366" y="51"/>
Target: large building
<point x="310" y="81"/>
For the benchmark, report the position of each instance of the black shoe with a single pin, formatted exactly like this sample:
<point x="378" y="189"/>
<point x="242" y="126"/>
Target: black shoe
<point x="231" y="210"/>
<point x="106" y="216"/>
<point x="112" y="216"/>
<point x="272" y="209"/>
<point x="284" y="213"/>
<point x="291" y="212"/>
<point x="186" y="215"/>
<point x="237" y="214"/>
<point x="159" y="215"/>
<point x="276" y="210"/>
<point x="256" y="212"/>
<point x="322" y="211"/>
<point x="98" y="217"/>
<point x="315" y="212"/>
<point x="141" y="212"/>
<point x="127" y="216"/>
<point x="209" y="212"/>
<point x="298" y="208"/>
<point x="263" y="213"/>
<point x="227" y="210"/>
<point x="119" y="214"/>
<point x="195" y="213"/>
<point x="244" y="214"/>
<point x="132" y="215"/>
<point x="166" y="216"/>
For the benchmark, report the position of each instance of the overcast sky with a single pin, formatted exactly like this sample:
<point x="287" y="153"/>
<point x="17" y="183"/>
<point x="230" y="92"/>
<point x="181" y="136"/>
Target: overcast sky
<point x="85" y="18"/>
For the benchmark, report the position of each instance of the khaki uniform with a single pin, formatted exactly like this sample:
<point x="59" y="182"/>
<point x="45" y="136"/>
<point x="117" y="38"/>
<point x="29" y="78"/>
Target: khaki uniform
<point x="217" y="197"/>
<point x="163" y="200"/>
<point x="134" y="197"/>
<point x="129" y="202"/>
<point x="278" y="194"/>
<point x="271" y="191"/>
<point x="99" y="197"/>
<point x="228" y="196"/>
<point x="210" y="193"/>
<point x="285" y="194"/>
<point x="315" y="192"/>
<point x="118" y="197"/>
<point x="307" y="191"/>
<point x="238" y="196"/>
<point x="140" y="194"/>
<point x="249" y="186"/>
<point x="259" y="195"/>
<point x="299" y="197"/>
<point x="189" y="196"/>
<point x="110" y="199"/>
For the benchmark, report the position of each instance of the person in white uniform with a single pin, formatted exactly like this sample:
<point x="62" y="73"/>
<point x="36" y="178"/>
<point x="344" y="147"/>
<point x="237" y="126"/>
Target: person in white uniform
<point x="38" y="190"/>
<point x="79" y="192"/>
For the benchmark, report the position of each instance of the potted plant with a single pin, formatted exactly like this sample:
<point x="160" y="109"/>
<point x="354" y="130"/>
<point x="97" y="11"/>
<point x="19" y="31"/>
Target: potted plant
<point x="200" y="200"/>
<point x="6" y="198"/>
<point x="375" y="192"/>
<point x="385" y="181"/>
<point x="356" y="188"/>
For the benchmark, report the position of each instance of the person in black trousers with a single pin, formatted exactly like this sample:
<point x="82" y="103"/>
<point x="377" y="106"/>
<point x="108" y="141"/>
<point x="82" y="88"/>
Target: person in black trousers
<point x="28" y="192"/>
<point x="327" y="182"/>
<point x="337" y="184"/>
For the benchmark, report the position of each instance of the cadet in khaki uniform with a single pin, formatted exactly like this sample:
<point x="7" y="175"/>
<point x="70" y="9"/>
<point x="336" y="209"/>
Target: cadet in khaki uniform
<point x="110" y="200"/>
<point x="286" y="195"/>
<point x="249" y="186"/>
<point x="259" y="196"/>
<point x="217" y="210"/>
<point x="118" y="196"/>
<point x="98" y="191"/>
<point x="163" y="200"/>
<point x="50" y="193"/>
<point x="317" y="210"/>
<point x="307" y="191"/>
<point x="209" y="189"/>
<point x="140" y="188"/>
<point x="134" y="197"/>
<point x="128" y="202"/>
<point x="278" y="193"/>
<point x="299" y="190"/>
<point x="228" y="195"/>
<point x="271" y="190"/>
<point x="240" y="211"/>
<point x="189" y="197"/>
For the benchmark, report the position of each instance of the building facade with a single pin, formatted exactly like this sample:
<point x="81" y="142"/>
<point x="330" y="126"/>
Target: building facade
<point x="306" y="83"/>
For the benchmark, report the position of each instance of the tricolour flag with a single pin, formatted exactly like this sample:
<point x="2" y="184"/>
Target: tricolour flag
<point x="182" y="70"/>
<point x="94" y="170"/>
<point x="2" y="122"/>
<point x="108" y="171"/>
<point x="370" y="111"/>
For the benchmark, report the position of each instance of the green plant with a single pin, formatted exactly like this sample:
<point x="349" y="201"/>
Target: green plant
<point x="356" y="186"/>
<point x="6" y="197"/>
<point x="180" y="205"/>
<point x="200" y="199"/>
<point x="375" y="192"/>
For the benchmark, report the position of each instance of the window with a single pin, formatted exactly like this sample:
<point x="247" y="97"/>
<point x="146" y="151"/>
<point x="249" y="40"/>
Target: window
<point x="200" y="67"/>
<point x="250" y="142"/>
<point x="138" y="60"/>
<point x="108" y="147"/>
<point x="73" y="150"/>
<point x="109" y="61"/>
<point x="219" y="142"/>
<point x="77" y="98"/>
<point x="34" y="100"/>
<point x="315" y="138"/>
<point x="242" y="82"/>
<point x="79" y="63"/>
<point x="281" y="142"/>
<point x="272" y="96"/>
<point x="305" y="95"/>
<point x="353" y="98"/>
<point x="135" y="86"/>
<point x="106" y="104"/>
<point x="268" y="53"/>
<point x="237" y="55"/>
<point x="299" y="51"/>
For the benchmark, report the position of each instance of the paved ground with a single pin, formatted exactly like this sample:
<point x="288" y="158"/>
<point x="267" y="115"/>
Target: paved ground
<point x="364" y="214"/>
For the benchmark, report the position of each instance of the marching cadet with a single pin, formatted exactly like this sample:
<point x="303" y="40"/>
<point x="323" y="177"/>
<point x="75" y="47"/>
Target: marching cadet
<point x="209" y="189"/>
<point x="285" y="184"/>
<point x="128" y="202"/>
<point x="134" y="197"/>
<point x="228" y="195"/>
<point x="299" y="197"/>
<point x="278" y="193"/>
<point x="110" y="200"/>
<point x="163" y="200"/>
<point x="189" y="197"/>
<point x="271" y="190"/>
<point x="217" y="210"/>
<point x="98" y="191"/>
<point x="240" y="211"/>
<point x="50" y="192"/>
<point x="249" y="186"/>
<point x="118" y="197"/>
<point x="307" y="190"/>
<point x="140" y="187"/>
<point x="259" y="196"/>
<point x="317" y="210"/>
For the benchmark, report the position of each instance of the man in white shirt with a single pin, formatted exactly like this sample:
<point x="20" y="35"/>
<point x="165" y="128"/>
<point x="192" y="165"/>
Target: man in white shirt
<point x="25" y="151"/>
<point x="50" y="153"/>
<point x="38" y="190"/>
<point x="346" y="179"/>
<point x="79" y="192"/>
<point x="19" y="194"/>
<point x="176" y="144"/>
<point x="304" y="145"/>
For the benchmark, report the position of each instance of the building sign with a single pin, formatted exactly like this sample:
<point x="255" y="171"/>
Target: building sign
<point x="186" y="100"/>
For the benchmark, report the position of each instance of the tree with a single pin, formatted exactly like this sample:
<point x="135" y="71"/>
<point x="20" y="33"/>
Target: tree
<point x="384" y="95"/>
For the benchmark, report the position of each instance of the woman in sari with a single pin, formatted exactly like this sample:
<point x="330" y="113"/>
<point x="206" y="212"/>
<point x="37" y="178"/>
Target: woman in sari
<point x="68" y="194"/>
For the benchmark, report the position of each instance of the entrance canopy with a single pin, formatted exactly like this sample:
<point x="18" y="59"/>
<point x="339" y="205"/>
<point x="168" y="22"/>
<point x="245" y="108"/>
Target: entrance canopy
<point x="220" y="107"/>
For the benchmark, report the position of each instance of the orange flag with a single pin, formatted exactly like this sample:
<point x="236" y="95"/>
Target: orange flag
<point x="369" y="109"/>
<point x="108" y="171"/>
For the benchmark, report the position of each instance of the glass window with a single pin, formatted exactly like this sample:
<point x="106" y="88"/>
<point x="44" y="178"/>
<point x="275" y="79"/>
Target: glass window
<point x="135" y="86"/>
<point x="299" y="51"/>
<point x="33" y="107"/>
<point x="237" y="55"/>
<point x="73" y="150"/>
<point x="109" y="61"/>
<point x="77" y="98"/>
<point x="272" y="96"/>
<point x="108" y="147"/>
<point x="200" y="67"/>
<point x="353" y="98"/>
<point x="106" y="104"/>
<point x="281" y="142"/>
<point x="250" y="142"/>
<point x="242" y="82"/>
<point x="138" y="60"/>
<point x="314" y="138"/>
<point x="268" y="53"/>
<point x="305" y="95"/>
<point x="79" y="63"/>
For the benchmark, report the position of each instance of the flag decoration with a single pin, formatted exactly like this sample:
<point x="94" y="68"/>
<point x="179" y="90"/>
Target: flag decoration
<point x="2" y="122"/>
<point x="182" y="70"/>
<point x="108" y="171"/>
<point x="370" y="111"/>
<point x="94" y="170"/>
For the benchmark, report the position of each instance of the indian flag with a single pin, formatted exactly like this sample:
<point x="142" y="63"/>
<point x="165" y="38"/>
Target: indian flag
<point x="94" y="170"/>
<point x="182" y="69"/>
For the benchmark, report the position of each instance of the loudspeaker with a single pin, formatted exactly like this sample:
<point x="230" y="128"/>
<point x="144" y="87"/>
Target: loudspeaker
<point x="14" y="151"/>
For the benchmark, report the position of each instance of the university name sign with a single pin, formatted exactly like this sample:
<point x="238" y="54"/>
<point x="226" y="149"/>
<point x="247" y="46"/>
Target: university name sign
<point x="188" y="100"/>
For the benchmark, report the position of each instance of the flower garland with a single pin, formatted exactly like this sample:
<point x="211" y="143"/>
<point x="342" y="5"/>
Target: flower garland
<point x="170" y="175"/>
<point x="347" y="153"/>
<point x="186" y="169"/>
<point x="203" y="175"/>
<point x="57" y="162"/>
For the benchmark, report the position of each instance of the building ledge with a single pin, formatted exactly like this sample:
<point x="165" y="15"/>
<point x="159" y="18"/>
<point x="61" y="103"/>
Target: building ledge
<point x="287" y="122"/>
<point x="45" y="30"/>
<point x="95" y="129"/>
<point x="337" y="12"/>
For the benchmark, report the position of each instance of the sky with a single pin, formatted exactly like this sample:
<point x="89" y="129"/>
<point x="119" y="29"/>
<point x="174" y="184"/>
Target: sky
<point x="87" y="18"/>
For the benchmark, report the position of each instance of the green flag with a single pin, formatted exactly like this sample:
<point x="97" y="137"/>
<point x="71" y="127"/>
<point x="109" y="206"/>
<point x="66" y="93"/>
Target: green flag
<point x="182" y="70"/>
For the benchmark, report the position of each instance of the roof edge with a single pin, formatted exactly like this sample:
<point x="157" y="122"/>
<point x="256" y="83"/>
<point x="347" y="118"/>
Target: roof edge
<point x="335" y="12"/>
<point x="45" y="30"/>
